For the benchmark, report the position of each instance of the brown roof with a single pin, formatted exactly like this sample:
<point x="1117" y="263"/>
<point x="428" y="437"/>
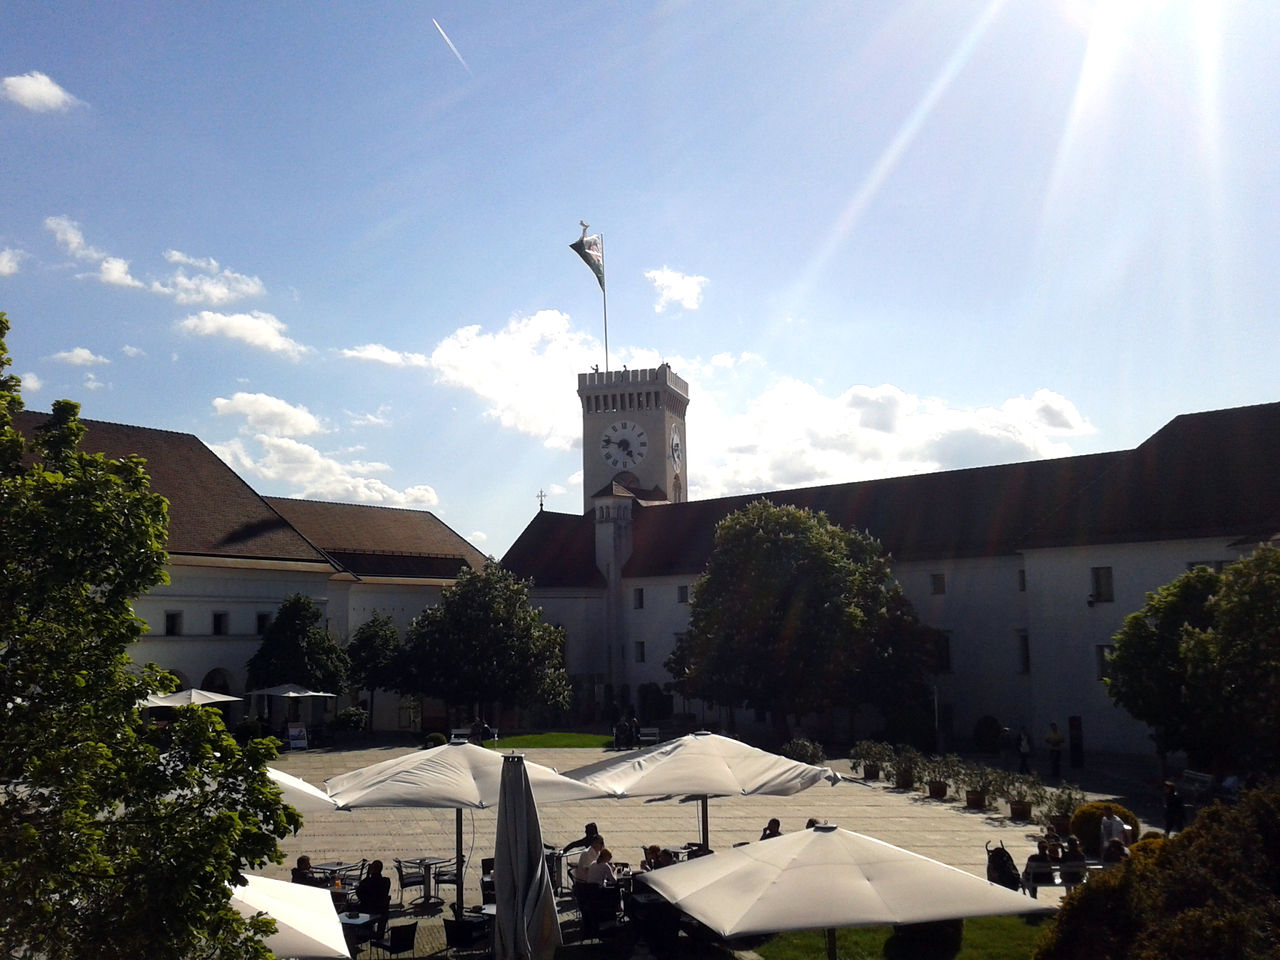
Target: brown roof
<point x="556" y="550"/>
<point x="381" y="541"/>
<point x="212" y="512"/>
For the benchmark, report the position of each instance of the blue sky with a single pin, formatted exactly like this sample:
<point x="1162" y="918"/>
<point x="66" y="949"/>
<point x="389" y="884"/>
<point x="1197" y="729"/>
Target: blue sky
<point x="876" y="238"/>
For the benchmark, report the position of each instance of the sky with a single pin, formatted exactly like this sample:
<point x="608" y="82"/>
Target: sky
<point x="876" y="238"/>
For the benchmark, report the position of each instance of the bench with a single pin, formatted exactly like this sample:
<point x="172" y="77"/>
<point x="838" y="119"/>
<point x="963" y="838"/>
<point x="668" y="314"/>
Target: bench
<point x="648" y="736"/>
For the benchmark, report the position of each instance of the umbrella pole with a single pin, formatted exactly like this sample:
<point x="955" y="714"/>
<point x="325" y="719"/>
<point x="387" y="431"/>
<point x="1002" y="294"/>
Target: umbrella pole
<point x="706" y="830"/>
<point x="831" y="943"/>
<point x="458" y="836"/>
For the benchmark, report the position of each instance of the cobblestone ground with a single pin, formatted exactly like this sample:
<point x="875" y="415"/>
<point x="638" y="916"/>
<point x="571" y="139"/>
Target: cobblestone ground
<point x="943" y="830"/>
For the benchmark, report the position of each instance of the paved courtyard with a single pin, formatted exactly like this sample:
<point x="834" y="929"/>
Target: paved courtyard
<point x="942" y="830"/>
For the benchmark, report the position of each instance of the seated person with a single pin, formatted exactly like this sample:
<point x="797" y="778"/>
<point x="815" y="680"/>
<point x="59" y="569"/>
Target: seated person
<point x="1039" y="869"/>
<point x="651" y="855"/>
<point x="665" y="859"/>
<point x="1114" y="853"/>
<point x="771" y="829"/>
<point x="302" y="873"/>
<point x="1072" y="861"/>
<point x="601" y="870"/>
<point x="811" y="823"/>
<point x="589" y="856"/>
<point x="374" y="896"/>
<point x="590" y="832"/>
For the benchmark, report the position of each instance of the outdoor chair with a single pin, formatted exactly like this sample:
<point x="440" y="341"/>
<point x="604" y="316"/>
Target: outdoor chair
<point x="469" y="934"/>
<point x="410" y="876"/>
<point x="487" y="894"/>
<point x="449" y="873"/>
<point x="399" y="939"/>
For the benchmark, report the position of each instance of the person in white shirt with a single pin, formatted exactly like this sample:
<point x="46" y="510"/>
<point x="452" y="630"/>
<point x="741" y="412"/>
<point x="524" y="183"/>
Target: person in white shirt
<point x="601" y="871"/>
<point x="589" y="856"/>
<point x="1112" y="828"/>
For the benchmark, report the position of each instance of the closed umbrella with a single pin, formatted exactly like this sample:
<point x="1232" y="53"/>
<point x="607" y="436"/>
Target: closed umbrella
<point x="454" y="775"/>
<point x="306" y="923"/>
<point x="186" y="698"/>
<point x="702" y="765"/>
<point x="826" y="878"/>
<point x="526" y="924"/>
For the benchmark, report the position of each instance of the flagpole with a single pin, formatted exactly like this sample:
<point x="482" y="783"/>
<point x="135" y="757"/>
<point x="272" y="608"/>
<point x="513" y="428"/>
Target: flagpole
<point x="604" y="296"/>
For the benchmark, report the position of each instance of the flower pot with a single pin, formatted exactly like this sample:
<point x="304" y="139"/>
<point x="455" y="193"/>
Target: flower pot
<point x="1019" y="809"/>
<point x="975" y="799"/>
<point x="904" y="780"/>
<point x="871" y="771"/>
<point x="937" y="789"/>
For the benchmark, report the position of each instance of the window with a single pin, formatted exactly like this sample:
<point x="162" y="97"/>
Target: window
<point x="942" y="652"/>
<point x="220" y="619"/>
<point x="1022" y="581"/>
<point x="639" y="651"/>
<point x="1103" y="652"/>
<point x="172" y="623"/>
<point x="1100" y="580"/>
<point x="938" y="583"/>
<point x="639" y="598"/>
<point x="261" y="622"/>
<point x="682" y="593"/>
<point x="1024" y="652"/>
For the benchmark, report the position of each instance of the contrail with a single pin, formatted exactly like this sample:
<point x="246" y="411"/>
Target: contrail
<point x="451" y="46"/>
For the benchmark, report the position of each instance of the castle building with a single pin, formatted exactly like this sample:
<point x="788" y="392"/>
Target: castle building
<point x="1028" y="568"/>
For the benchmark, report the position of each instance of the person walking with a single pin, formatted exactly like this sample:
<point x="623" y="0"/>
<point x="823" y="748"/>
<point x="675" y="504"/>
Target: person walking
<point x="1054" y="740"/>
<point x="1024" y="750"/>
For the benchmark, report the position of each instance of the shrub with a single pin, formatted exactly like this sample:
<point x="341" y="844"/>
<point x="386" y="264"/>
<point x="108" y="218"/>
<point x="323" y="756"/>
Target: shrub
<point x="947" y="769"/>
<point x="247" y="729"/>
<point x="1086" y="823"/>
<point x="905" y="766"/>
<point x="804" y="751"/>
<point x="870" y="751"/>
<point x="1062" y="802"/>
<point x="434" y="739"/>
<point x="352" y="718"/>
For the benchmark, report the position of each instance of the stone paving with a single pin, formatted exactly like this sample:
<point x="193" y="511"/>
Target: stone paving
<point x="943" y="830"/>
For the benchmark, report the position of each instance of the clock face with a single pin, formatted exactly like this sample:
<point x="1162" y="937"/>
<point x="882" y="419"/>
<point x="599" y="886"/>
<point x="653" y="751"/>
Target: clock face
<point x="624" y="444"/>
<point x="677" y="449"/>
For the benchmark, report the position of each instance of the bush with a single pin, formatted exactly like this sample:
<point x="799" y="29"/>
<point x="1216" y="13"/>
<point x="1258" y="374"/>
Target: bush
<point x="352" y="718"/>
<point x="247" y="729"/>
<point x="870" y="751"/>
<point x="1086" y="823"/>
<point x="804" y="751"/>
<point x="434" y="739"/>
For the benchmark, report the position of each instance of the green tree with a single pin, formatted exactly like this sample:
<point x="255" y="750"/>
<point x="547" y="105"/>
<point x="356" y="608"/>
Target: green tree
<point x="296" y="649"/>
<point x="484" y="642"/>
<point x="114" y="842"/>
<point x="374" y="652"/>
<point x="790" y="611"/>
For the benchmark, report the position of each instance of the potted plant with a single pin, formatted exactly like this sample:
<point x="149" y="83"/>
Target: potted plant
<point x="905" y="767"/>
<point x="1059" y="805"/>
<point x="1023" y="791"/>
<point x="938" y="773"/>
<point x="980" y="784"/>
<point x="871" y="754"/>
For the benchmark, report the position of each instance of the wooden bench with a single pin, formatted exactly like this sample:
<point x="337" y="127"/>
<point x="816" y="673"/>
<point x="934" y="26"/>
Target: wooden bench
<point x="649" y="736"/>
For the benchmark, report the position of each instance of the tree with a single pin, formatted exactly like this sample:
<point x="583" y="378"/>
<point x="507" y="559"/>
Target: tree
<point x="296" y="649"/>
<point x="484" y="642"/>
<point x="1200" y="663"/>
<point x="373" y="653"/>
<point x="115" y="842"/>
<point x="789" y="611"/>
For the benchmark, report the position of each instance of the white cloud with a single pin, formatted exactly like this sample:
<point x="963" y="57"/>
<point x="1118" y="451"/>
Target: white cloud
<point x="69" y="236"/>
<point x="269" y="415"/>
<point x="129" y="351"/>
<point x="210" y="285"/>
<point x="307" y="472"/>
<point x="256" y="328"/>
<point x="115" y="271"/>
<point x="31" y="383"/>
<point x="378" y="418"/>
<point x="207" y="264"/>
<point x="35" y="91"/>
<point x="477" y="538"/>
<point x="676" y="287"/>
<point x="377" y="353"/>
<point x="79" y="357"/>
<point x="9" y="260"/>
<point x="91" y="382"/>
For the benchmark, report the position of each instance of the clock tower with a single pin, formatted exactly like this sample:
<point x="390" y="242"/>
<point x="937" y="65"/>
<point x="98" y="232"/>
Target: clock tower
<point x="633" y="433"/>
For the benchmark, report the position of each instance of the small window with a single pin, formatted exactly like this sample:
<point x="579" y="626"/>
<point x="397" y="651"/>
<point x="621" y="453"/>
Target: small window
<point x="1103" y="652"/>
<point x="938" y="583"/>
<point x="172" y="623"/>
<point x="682" y="593"/>
<point x="220" y="619"/>
<point x="1022" y="581"/>
<point x="1024" y="652"/>
<point x="261" y="622"/>
<point x="1100" y="580"/>
<point x="639" y="598"/>
<point x="639" y="651"/>
<point x="942" y="652"/>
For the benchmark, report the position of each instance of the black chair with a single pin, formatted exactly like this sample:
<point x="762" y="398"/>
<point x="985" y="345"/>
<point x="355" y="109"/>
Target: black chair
<point x="399" y="939"/>
<point x="410" y="876"/>
<point x="487" y="893"/>
<point x="450" y="873"/>
<point x="466" y="934"/>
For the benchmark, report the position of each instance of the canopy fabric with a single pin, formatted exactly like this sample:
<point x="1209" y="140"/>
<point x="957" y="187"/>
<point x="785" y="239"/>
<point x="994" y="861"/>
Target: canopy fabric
<point x="299" y="794"/>
<point x="291" y="690"/>
<point x="825" y="878"/>
<point x="453" y="775"/>
<point x="307" y="925"/>
<point x="526" y="925"/>
<point x="186" y="698"/>
<point x="701" y="764"/>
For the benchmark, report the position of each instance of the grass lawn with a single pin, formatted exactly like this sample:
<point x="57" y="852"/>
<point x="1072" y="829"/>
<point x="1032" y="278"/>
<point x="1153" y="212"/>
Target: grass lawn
<point x="536" y="741"/>
<point x="985" y="938"/>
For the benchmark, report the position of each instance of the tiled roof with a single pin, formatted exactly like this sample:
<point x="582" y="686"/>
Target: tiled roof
<point x="212" y="512"/>
<point x="381" y="541"/>
<point x="556" y="550"/>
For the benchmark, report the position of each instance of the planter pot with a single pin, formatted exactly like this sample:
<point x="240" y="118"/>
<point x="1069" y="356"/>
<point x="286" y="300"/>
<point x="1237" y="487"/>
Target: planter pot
<point x="975" y="799"/>
<point x="1019" y="809"/>
<point x="905" y="780"/>
<point x="937" y="789"/>
<point x="871" y="771"/>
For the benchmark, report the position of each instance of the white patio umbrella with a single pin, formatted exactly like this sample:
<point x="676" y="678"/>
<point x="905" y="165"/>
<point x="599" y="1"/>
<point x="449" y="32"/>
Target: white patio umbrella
<point x="290" y="691"/>
<point x="526" y="925"/>
<point x="702" y="765"/>
<point x="825" y="878"/>
<point x="454" y="775"/>
<point x="186" y="698"/>
<point x="299" y="794"/>
<point x="306" y="923"/>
